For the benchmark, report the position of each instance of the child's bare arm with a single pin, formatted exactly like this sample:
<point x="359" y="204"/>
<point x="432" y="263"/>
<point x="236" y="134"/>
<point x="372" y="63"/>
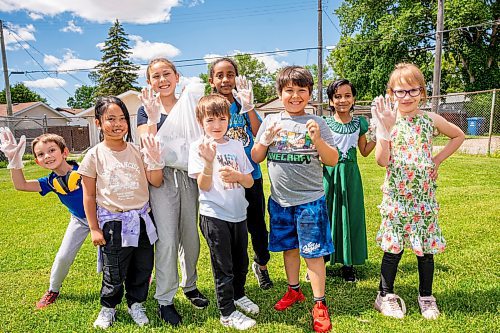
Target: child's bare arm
<point x="259" y="152"/>
<point x="21" y="184"/>
<point x="452" y="131"/>
<point x="365" y="147"/>
<point x="155" y="177"/>
<point x="90" y="207"/>
<point x="230" y="175"/>
<point x="328" y="154"/>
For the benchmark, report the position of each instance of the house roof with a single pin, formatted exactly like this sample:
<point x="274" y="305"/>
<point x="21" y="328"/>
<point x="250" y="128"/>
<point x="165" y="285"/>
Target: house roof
<point x="90" y="111"/>
<point x="69" y="110"/>
<point x="18" y="109"/>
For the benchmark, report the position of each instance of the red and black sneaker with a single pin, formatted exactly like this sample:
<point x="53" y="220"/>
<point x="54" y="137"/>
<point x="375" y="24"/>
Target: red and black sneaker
<point x="321" y="319"/>
<point x="48" y="298"/>
<point x="290" y="298"/>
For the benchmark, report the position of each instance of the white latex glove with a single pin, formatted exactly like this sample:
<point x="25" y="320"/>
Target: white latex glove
<point x="152" y="152"/>
<point x="13" y="151"/>
<point x="384" y="116"/>
<point x="243" y="94"/>
<point x="269" y="134"/>
<point x="207" y="150"/>
<point x="152" y="105"/>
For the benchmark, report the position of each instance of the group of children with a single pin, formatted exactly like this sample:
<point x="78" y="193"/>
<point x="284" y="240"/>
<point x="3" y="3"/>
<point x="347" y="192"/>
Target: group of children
<point x="316" y="207"/>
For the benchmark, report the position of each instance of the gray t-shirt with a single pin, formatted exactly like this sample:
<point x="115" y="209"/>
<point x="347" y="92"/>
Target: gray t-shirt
<point x="293" y="162"/>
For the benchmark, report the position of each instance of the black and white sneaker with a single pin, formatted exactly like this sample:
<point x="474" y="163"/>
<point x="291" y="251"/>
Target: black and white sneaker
<point x="196" y="298"/>
<point x="169" y="314"/>
<point x="262" y="276"/>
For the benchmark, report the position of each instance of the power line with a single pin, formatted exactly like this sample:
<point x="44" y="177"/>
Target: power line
<point x="36" y="61"/>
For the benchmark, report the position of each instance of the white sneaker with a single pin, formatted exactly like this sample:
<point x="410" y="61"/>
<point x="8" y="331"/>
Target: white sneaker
<point x="238" y="321"/>
<point x="247" y="305"/>
<point x="105" y="318"/>
<point x="138" y="314"/>
<point x="428" y="307"/>
<point x="388" y="306"/>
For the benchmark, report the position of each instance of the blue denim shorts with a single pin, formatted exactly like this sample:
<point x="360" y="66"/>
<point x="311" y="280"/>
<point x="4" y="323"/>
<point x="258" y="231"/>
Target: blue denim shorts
<point x="305" y="227"/>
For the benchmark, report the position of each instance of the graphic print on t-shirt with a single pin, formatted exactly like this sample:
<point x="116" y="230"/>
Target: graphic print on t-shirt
<point x="293" y="147"/>
<point x="228" y="160"/>
<point x="123" y="180"/>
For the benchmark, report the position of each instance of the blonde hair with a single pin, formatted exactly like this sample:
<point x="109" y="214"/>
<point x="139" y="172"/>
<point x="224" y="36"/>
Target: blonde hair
<point x="406" y="73"/>
<point x="213" y="105"/>
<point x="49" y="137"/>
<point x="157" y="60"/>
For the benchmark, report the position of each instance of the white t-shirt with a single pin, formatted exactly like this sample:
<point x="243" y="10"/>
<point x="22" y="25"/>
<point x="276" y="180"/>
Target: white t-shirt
<point x="121" y="183"/>
<point x="224" y="201"/>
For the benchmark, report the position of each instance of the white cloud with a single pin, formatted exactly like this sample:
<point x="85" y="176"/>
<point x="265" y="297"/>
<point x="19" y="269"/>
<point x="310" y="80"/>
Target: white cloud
<point x="193" y="3"/>
<point x="271" y="63"/>
<point x="72" y="27"/>
<point x="16" y="36"/>
<point x="35" y="16"/>
<point x="146" y="50"/>
<point x="100" y="46"/>
<point x="69" y="62"/>
<point x="51" y="60"/>
<point x="130" y="11"/>
<point x="211" y="57"/>
<point x="48" y="82"/>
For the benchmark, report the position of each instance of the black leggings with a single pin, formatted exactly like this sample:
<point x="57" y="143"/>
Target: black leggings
<point x="389" y="269"/>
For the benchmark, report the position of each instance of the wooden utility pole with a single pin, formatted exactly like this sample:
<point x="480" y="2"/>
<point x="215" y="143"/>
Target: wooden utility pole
<point x="436" y="80"/>
<point x="319" y="110"/>
<point x="5" y="72"/>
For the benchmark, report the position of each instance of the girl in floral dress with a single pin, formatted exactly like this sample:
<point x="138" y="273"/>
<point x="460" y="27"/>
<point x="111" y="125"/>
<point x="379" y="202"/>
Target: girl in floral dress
<point x="343" y="187"/>
<point x="409" y="209"/>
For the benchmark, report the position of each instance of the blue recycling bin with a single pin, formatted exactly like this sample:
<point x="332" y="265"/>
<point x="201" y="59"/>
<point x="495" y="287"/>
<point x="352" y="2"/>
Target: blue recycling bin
<point x="475" y="126"/>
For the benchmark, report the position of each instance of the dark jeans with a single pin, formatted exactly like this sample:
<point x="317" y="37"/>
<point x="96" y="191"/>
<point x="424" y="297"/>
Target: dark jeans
<point x="227" y="243"/>
<point x="389" y="269"/>
<point x="131" y="266"/>
<point x="256" y="222"/>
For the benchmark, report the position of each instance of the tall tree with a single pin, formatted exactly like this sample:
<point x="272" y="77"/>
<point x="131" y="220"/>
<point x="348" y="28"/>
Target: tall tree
<point x="84" y="98"/>
<point x="256" y="71"/>
<point x="21" y="94"/>
<point x="116" y="73"/>
<point x="376" y="35"/>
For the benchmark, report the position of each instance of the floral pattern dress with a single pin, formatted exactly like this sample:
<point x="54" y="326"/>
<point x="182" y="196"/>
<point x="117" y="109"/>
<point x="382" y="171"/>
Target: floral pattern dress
<point x="409" y="208"/>
<point x="344" y="194"/>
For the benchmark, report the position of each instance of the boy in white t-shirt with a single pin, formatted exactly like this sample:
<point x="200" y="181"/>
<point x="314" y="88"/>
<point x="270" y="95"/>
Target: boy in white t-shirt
<point x="223" y="171"/>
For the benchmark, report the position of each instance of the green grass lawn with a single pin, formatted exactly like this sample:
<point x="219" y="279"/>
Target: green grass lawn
<point x="467" y="283"/>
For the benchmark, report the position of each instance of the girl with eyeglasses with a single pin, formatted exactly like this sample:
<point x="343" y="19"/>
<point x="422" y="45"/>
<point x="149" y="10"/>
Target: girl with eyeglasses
<point x="409" y="208"/>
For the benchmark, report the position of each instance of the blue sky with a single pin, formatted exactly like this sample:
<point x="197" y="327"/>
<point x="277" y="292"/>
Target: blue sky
<point x="66" y="34"/>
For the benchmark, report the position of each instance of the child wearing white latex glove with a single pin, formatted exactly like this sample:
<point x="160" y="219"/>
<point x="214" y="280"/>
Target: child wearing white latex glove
<point x="152" y="152"/>
<point x="152" y="105"/>
<point x="384" y="116"/>
<point x="269" y="134"/>
<point x="13" y="151"/>
<point x="243" y="94"/>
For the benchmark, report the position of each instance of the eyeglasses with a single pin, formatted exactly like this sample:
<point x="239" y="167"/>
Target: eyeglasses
<point x="412" y="92"/>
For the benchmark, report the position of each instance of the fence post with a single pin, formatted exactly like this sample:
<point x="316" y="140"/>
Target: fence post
<point x="491" y="121"/>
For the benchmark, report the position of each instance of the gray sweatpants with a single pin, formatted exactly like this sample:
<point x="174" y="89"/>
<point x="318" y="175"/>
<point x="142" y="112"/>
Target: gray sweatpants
<point x="175" y="207"/>
<point x="75" y="235"/>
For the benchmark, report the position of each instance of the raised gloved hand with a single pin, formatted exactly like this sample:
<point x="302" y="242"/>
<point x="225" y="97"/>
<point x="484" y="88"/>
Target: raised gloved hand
<point x="384" y="116"/>
<point x="243" y="94"/>
<point x="13" y="151"/>
<point x="152" y="152"/>
<point x="269" y="134"/>
<point x="152" y="105"/>
<point x="207" y="150"/>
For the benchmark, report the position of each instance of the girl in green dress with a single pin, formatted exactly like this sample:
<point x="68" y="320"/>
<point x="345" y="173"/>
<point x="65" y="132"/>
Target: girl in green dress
<point x="343" y="187"/>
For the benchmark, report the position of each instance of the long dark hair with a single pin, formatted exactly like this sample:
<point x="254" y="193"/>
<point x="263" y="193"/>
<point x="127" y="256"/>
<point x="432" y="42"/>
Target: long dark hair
<point x="102" y="105"/>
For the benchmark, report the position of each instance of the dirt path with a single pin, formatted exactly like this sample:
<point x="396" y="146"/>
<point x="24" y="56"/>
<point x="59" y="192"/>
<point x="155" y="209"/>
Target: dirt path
<point x="478" y="146"/>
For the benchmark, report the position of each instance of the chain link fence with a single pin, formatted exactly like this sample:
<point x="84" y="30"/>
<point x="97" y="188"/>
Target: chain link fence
<point x="477" y="114"/>
<point x="76" y="137"/>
